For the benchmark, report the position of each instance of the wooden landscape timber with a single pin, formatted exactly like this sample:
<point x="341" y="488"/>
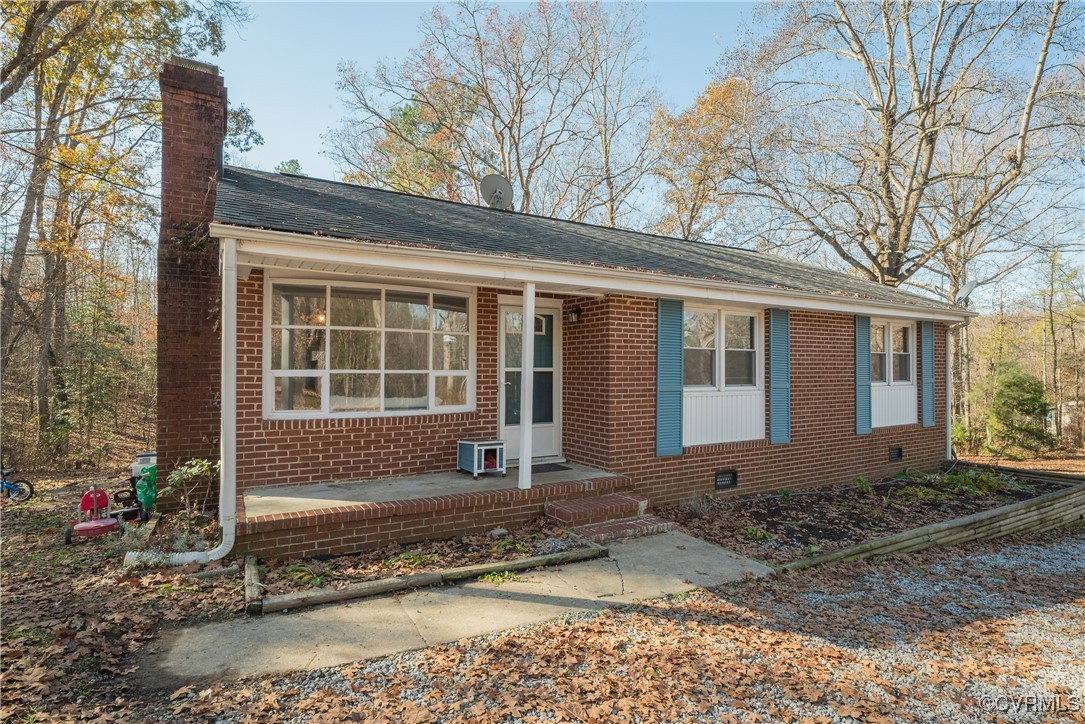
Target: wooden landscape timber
<point x="1063" y="507"/>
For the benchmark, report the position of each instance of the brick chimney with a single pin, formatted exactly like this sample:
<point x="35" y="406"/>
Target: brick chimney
<point x="189" y="290"/>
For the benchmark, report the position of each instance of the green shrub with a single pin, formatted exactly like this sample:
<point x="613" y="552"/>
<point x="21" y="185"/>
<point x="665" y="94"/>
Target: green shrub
<point x="1017" y="412"/>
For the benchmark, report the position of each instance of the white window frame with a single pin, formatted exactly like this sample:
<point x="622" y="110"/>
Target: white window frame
<point x="895" y="402"/>
<point x="721" y="413"/>
<point x="889" y="325"/>
<point x="269" y="375"/>
<point x="721" y="350"/>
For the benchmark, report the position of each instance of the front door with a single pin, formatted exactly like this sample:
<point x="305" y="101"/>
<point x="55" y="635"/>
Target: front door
<point x="546" y="402"/>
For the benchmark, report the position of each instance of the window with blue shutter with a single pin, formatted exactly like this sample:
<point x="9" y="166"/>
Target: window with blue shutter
<point x="862" y="376"/>
<point x="926" y="372"/>
<point x="669" y="378"/>
<point x="779" y="376"/>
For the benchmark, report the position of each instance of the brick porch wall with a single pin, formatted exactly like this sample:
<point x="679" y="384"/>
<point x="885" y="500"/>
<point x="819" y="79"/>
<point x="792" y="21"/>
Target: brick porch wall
<point x="824" y="449"/>
<point x="370" y="525"/>
<point x="297" y="452"/>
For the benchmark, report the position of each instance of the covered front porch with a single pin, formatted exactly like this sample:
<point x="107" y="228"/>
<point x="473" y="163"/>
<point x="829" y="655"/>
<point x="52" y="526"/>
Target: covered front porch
<point x="343" y="517"/>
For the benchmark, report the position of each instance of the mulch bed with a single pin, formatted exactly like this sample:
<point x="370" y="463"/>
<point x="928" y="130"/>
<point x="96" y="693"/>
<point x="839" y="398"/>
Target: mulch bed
<point x="787" y="527"/>
<point x="533" y="539"/>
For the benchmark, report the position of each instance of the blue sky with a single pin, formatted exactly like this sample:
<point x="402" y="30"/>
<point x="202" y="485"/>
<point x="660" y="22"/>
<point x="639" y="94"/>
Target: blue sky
<point x="282" y="64"/>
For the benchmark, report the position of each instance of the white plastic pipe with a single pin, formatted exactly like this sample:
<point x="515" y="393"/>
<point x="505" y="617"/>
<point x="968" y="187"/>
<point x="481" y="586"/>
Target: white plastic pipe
<point x="227" y="437"/>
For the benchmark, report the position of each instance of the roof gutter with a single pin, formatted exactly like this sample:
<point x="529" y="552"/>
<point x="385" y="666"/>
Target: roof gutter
<point x="514" y="271"/>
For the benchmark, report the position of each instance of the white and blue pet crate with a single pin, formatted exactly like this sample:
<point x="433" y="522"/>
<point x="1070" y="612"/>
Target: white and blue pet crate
<point x="471" y="457"/>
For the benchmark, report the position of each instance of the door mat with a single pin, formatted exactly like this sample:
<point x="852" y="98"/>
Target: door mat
<point x="549" y="468"/>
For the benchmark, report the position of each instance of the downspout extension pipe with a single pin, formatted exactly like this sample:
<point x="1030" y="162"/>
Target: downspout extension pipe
<point x="227" y="438"/>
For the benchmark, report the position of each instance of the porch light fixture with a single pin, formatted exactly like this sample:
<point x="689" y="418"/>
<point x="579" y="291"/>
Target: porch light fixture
<point x="573" y="315"/>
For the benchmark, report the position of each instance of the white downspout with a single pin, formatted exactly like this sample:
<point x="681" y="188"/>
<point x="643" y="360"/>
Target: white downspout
<point x="227" y="436"/>
<point x="949" y="393"/>
<point x="527" y="384"/>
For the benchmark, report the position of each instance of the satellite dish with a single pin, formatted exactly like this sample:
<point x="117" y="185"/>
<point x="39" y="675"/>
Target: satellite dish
<point x="496" y="191"/>
<point x="966" y="290"/>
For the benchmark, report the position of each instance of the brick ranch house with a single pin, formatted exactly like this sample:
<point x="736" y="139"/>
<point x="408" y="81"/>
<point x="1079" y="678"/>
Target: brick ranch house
<point x="315" y="335"/>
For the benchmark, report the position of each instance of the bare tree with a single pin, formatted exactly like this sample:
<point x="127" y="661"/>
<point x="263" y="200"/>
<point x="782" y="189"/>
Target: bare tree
<point x="546" y="97"/>
<point x="858" y="103"/>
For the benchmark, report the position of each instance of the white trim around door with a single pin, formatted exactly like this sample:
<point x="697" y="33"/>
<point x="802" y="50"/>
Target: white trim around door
<point x="546" y="430"/>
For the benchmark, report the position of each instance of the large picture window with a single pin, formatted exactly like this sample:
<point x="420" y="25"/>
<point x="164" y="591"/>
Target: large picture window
<point x="365" y="350"/>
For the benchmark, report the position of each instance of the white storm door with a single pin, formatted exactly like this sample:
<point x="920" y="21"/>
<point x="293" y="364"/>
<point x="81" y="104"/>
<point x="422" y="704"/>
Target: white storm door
<point x="546" y="426"/>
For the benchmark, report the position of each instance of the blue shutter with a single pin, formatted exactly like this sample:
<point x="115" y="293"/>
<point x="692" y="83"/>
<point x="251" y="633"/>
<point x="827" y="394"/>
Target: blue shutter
<point x="926" y="371"/>
<point x="779" y="376"/>
<point x="669" y="378"/>
<point x="862" y="376"/>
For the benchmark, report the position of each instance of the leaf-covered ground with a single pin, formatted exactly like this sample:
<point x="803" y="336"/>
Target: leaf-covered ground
<point x="72" y="616"/>
<point x="1060" y="461"/>
<point x="790" y="526"/>
<point x="534" y="539"/>
<point x="968" y="634"/>
<point x="936" y="636"/>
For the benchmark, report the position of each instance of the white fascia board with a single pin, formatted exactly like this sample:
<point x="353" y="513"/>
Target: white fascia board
<point x="514" y="271"/>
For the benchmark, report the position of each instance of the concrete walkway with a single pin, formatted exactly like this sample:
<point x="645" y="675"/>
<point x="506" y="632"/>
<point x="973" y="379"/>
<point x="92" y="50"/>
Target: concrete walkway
<point x="369" y="628"/>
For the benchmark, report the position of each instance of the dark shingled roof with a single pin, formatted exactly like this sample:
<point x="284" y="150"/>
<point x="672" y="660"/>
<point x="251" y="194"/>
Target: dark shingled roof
<point x="282" y="202"/>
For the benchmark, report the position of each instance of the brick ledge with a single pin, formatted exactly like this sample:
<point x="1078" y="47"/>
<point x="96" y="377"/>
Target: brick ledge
<point x="369" y="511"/>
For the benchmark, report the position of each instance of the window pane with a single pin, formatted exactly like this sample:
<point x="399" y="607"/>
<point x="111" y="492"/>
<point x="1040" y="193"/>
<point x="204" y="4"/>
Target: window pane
<point x="356" y="307"/>
<point x="450" y="351"/>
<point x="354" y="393"/>
<point x="355" y="350"/>
<point x="450" y="391"/>
<point x="738" y="368"/>
<point x="297" y="393"/>
<point x="542" y="398"/>
<point x="512" y="398"/>
<point x="406" y="392"/>
<point x="877" y="337"/>
<point x="406" y="351"/>
<point x="877" y="367"/>
<point x="407" y="310"/>
<point x="297" y="305"/>
<point x="699" y="367"/>
<point x="700" y="329"/>
<point x="297" y="349"/>
<point x="738" y="333"/>
<point x="901" y="340"/>
<point x="450" y="314"/>
<point x="902" y="367"/>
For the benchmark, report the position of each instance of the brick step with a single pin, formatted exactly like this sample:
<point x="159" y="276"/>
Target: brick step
<point x="622" y="529"/>
<point x="597" y="509"/>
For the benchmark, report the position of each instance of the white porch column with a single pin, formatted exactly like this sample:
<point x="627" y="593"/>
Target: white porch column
<point x="527" y="384"/>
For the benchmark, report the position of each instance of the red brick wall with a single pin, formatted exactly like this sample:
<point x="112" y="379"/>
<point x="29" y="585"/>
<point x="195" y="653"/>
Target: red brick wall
<point x="193" y="127"/>
<point x="286" y="452"/>
<point x="369" y="525"/>
<point x="824" y="448"/>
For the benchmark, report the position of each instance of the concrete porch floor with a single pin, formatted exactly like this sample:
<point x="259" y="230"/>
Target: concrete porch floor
<point x="301" y="498"/>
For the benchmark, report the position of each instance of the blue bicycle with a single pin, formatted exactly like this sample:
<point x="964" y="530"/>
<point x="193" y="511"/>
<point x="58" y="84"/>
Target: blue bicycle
<point x="17" y="490"/>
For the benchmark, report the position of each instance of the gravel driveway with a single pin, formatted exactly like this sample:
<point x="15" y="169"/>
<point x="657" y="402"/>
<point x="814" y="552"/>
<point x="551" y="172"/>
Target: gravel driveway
<point x="965" y="634"/>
